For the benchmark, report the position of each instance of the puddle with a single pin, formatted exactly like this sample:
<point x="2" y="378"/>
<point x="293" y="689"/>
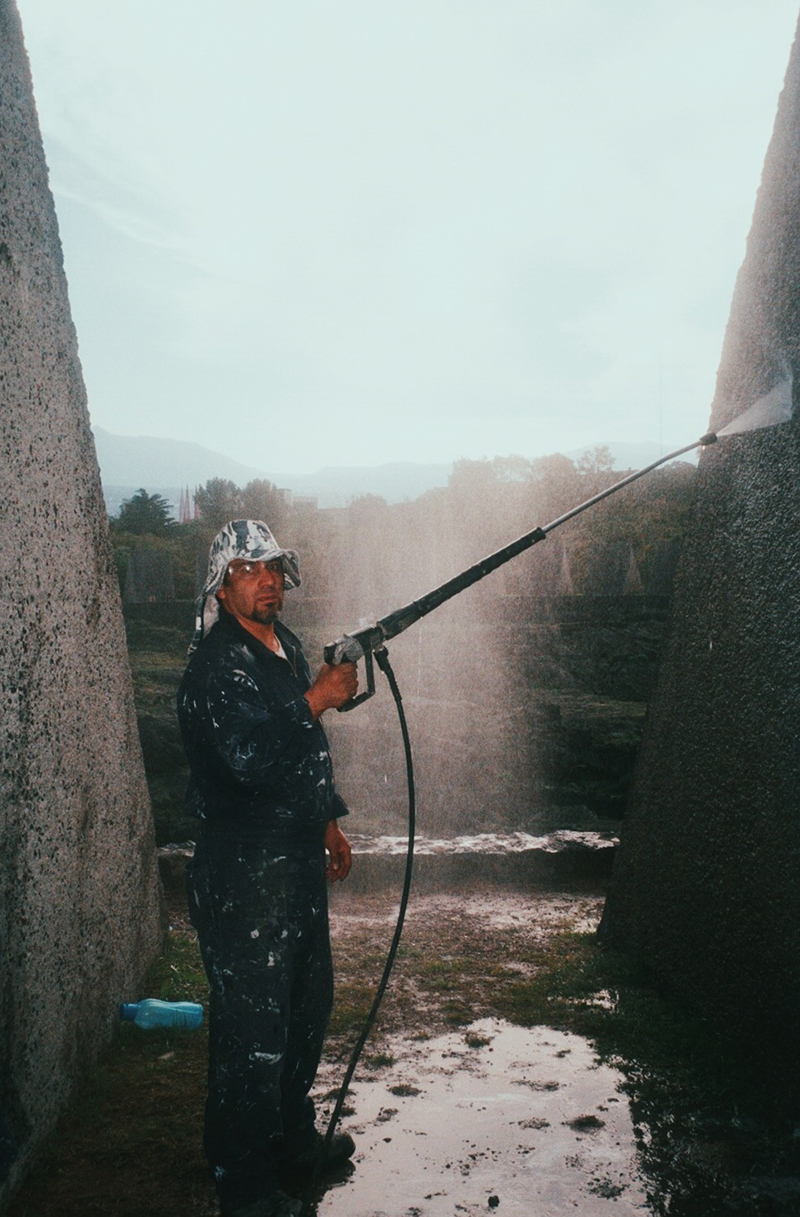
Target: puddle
<point x="490" y="1119"/>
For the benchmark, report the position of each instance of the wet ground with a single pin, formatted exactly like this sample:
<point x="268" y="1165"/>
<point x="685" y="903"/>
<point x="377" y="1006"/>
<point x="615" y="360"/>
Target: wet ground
<point x="460" y="1112"/>
<point x="455" y="1111"/>
<point x="492" y="1118"/>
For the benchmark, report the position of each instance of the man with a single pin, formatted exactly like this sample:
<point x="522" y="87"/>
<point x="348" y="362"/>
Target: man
<point x="261" y="786"/>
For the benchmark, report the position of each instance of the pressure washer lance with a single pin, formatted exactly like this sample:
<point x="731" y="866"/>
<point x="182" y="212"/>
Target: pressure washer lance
<point x="362" y="643"/>
<point x="774" y="407"/>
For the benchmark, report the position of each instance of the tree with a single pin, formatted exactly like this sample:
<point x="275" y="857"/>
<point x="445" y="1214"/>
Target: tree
<point x="219" y="501"/>
<point x="554" y="487"/>
<point x="596" y="462"/>
<point x="512" y="468"/>
<point x="262" y="500"/>
<point x="472" y="477"/>
<point x="553" y="470"/>
<point x="366" y="506"/>
<point x="145" y="514"/>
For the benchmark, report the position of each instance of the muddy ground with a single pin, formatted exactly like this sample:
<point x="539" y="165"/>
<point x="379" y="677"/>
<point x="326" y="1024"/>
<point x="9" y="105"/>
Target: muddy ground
<point x="489" y="1116"/>
<point x="131" y="1145"/>
<point x="479" y="1091"/>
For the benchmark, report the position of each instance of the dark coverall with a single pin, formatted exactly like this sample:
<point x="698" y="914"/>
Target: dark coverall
<point x="262" y="788"/>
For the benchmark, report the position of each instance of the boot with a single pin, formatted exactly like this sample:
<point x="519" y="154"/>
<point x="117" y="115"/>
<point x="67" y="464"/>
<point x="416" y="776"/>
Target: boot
<point x="276" y="1205"/>
<point x="339" y="1150"/>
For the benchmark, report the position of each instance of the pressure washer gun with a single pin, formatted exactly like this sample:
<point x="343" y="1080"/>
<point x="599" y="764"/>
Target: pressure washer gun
<point x="369" y="640"/>
<point x="774" y="407"/>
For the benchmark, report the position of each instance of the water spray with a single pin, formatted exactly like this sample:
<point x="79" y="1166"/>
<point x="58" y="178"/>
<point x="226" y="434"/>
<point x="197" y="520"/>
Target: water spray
<point x="773" y="408"/>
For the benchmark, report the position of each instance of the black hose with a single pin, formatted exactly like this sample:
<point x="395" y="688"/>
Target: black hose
<point x="382" y="659"/>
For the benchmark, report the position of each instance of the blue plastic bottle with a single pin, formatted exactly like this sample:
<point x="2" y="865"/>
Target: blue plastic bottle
<point x="154" y="1013"/>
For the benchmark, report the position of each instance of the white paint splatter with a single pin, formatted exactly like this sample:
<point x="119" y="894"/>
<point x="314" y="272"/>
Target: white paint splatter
<point x="269" y="1058"/>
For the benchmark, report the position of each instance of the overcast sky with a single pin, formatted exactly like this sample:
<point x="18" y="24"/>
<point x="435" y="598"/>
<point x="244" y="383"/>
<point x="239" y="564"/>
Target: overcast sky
<point x="352" y="231"/>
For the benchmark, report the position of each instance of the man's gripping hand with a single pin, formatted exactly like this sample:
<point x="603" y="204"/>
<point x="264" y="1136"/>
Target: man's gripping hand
<point x="333" y="687"/>
<point x="341" y="855"/>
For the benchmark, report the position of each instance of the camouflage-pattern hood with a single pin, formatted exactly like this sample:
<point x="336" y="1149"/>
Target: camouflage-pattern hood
<point x="249" y="540"/>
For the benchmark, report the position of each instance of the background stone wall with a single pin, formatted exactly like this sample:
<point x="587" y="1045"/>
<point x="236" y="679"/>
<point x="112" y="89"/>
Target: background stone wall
<point x="80" y="911"/>
<point x="706" y="886"/>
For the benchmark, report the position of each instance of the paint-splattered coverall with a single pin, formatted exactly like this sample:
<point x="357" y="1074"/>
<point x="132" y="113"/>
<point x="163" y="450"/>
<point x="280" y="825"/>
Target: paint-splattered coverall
<point x="262" y="787"/>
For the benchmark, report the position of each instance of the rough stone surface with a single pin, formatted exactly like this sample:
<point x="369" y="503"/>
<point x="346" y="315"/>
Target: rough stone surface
<point x="80" y="907"/>
<point x="705" y="886"/>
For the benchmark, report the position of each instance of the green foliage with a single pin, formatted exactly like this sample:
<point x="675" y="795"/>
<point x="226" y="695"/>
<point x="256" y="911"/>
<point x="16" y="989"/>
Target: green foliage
<point x="596" y="463"/>
<point x="157" y="654"/>
<point x="373" y="556"/>
<point x="185" y="544"/>
<point x="485" y="505"/>
<point x="178" y="974"/>
<point x="219" y="501"/>
<point x="144" y="515"/>
<point x="262" y="500"/>
<point x="500" y="499"/>
<point x="365" y="506"/>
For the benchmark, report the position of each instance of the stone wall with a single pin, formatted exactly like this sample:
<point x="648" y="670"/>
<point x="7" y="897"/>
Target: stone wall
<point x="706" y="886"/>
<point x="149" y="577"/>
<point x="80" y="907"/>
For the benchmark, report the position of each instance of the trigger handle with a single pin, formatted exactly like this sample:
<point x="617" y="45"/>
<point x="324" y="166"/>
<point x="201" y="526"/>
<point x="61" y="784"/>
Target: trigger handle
<point x="368" y="692"/>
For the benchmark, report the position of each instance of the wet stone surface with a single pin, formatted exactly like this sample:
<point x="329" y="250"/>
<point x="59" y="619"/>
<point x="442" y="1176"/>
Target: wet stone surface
<point x="516" y="859"/>
<point x="491" y="1118"/>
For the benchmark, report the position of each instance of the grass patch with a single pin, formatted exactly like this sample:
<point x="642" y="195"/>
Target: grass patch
<point x="353" y="1001"/>
<point x="178" y="974"/>
<point x="473" y="1040"/>
<point x="379" y="1060"/>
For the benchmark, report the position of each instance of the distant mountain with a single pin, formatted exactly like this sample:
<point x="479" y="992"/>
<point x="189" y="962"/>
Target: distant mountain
<point x="161" y="466"/>
<point x="165" y="466"/>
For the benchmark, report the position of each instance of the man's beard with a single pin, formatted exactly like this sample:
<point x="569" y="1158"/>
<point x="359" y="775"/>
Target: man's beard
<point x="268" y="615"/>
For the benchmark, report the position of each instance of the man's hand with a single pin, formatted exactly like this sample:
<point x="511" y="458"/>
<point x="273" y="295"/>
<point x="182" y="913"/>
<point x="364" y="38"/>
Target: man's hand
<point x="333" y="687"/>
<point x="339" y="849"/>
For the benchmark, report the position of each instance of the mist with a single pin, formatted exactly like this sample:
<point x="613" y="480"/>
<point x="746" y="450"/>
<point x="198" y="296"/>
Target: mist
<point x="525" y="693"/>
